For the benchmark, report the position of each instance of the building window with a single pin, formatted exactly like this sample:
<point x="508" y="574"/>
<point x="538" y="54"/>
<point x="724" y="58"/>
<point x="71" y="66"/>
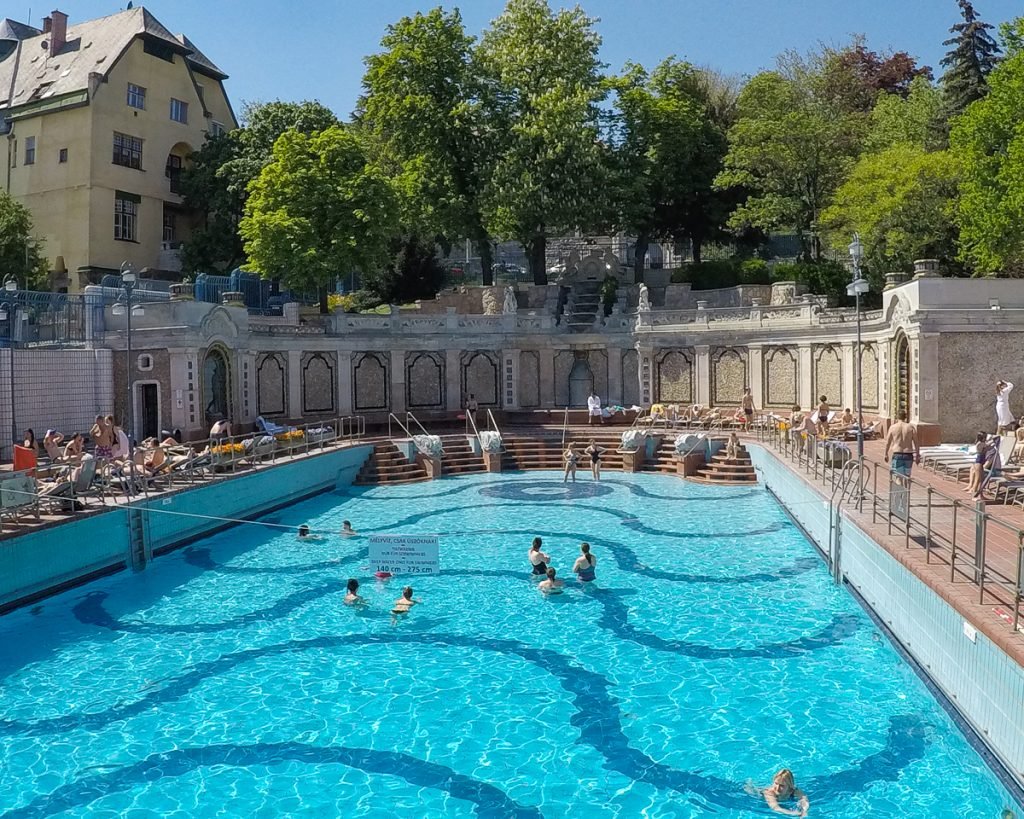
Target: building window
<point x="145" y="362"/>
<point x="127" y="151"/>
<point x="30" y="150"/>
<point x="216" y="128"/>
<point x="173" y="172"/>
<point x="179" y="111"/>
<point x="170" y="226"/>
<point x="137" y="96"/>
<point x="62" y="156"/>
<point x="126" y="216"/>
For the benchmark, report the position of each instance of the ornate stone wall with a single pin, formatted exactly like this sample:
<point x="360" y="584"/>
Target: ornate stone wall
<point x="529" y="379"/>
<point x="630" y="378"/>
<point x="318" y="380"/>
<point x="781" y="380"/>
<point x="828" y="376"/>
<point x="869" y="376"/>
<point x="728" y="375"/>
<point x="675" y="377"/>
<point x="272" y="384"/>
<point x="370" y="376"/>
<point x="564" y="359"/>
<point x="480" y="371"/>
<point x="424" y="380"/>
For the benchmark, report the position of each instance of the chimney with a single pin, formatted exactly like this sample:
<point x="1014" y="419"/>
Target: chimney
<point x="58" y="31"/>
<point x="46" y="25"/>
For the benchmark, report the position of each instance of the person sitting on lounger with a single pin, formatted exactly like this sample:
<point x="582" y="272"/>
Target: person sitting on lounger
<point x="75" y="449"/>
<point x="150" y="457"/>
<point x="51" y="443"/>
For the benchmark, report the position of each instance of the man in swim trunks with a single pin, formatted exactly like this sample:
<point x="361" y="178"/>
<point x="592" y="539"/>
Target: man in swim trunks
<point x="901" y="441"/>
<point x="748" y="407"/>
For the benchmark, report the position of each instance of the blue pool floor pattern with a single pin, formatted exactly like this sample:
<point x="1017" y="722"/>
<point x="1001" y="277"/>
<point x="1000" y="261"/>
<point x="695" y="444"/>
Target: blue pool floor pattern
<point x="597" y="719"/>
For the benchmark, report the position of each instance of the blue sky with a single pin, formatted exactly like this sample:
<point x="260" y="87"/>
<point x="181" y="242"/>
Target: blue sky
<point x="274" y="49"/>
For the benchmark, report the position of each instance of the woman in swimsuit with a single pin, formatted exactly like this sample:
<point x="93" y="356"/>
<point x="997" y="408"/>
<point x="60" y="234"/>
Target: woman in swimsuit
<point x="551" y="585"/>
<point x="538" y="559"/>
<point x="823" y="412"/>
<point x="571" y="457"/>
<point x="585" y="564"/>
<point x="783" y="789"/>
<point x="594" y="451"/>
<point x="978" y="467"/>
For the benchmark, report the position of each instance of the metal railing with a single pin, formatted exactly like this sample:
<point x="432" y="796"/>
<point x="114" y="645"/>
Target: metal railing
<point x="952" y="531"/>
<point x="565" y="427"/>
<point x="405" y="427"/>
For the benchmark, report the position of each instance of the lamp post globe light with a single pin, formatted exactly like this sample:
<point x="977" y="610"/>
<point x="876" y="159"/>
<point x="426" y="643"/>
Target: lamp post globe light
<point x="9" y="314"/>
<point x="857" y="288"/>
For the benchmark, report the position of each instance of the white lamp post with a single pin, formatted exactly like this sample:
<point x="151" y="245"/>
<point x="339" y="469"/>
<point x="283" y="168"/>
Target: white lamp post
<point x="128" y="283"/>
<point x="857" y="288"/>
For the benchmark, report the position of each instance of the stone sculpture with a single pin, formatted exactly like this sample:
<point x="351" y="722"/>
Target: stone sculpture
<point x="510" y="306"/>
<point x="645" y="299"/>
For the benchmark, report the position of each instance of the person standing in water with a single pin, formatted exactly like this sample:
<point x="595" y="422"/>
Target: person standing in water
<point x="538" y="560"/>
<point x="552" y="585"/>
<point x="594" y="451"/>
<point x="585" y="564"/>
<point x="571" y="458"/>
<point x="405" y="602"/>
<point x="352" y="597"/>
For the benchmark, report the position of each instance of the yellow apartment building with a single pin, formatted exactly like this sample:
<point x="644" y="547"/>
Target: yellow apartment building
<point x="99" y="119"/>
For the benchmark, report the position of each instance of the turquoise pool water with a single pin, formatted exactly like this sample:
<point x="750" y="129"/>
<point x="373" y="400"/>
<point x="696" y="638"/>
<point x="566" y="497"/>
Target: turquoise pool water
<point x="230" y="680"/>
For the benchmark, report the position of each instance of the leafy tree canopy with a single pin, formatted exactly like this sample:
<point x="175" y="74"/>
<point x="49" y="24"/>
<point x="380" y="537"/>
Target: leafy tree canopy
<point x="917" y="119"/>
<point x="20" y="252"/>
<point x="317" y="211"/>
<point x="989" y="141"/>
<point x="414" y="272"/>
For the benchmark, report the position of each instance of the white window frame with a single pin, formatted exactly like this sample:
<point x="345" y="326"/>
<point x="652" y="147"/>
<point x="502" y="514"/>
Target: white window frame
<point x="217" y="128"/>
<point x="136" y="94"/>
<point x="179" y="107"/>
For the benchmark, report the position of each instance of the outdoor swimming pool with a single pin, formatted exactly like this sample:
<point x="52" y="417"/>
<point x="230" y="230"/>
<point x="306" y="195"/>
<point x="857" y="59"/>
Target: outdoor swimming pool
<point x="229" y="679"/>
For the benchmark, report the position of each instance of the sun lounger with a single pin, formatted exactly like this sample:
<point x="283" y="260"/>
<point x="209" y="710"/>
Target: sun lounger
<point x="270" y="428"/>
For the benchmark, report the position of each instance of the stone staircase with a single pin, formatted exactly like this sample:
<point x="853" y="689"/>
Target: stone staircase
<point x="459" y="458"/>
<point x="664" y="458"/>
<point x="387" y="464"/>
<point x="583" y="306"/>
<point x="544" y="451"/>
<point x="724" y="470"/>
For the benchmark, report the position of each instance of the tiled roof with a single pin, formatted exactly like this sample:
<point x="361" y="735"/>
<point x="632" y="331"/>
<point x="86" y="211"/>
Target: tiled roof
<point x="13" y="30"/>
<point x="92" y="46"/>
<point x="200" y="60"/>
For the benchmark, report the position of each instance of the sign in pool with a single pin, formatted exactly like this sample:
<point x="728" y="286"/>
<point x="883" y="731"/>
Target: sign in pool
<point x="404" y="554"/>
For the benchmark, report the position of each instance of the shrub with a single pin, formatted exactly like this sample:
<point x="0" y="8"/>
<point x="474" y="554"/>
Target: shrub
<point x="355" y="302"/>
<point x="754" y="271"/>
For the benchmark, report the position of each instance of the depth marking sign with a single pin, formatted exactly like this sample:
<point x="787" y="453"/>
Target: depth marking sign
<point x="404" y="554"/>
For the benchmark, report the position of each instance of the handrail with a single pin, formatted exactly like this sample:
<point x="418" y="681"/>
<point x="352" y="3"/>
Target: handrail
<point x="471" y="422"/>
<point x="401" y="426"/>
<point x="565" y="427"/>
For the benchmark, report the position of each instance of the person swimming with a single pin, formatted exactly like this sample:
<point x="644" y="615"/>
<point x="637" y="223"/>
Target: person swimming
<point x="304" y="533"/>
<point x="538" y="559"/>
<point x="552" y="585"/>
<point x="352" y="597"/>
<point x="347" y="530"/>
<point x="405" y="602"/>
<point x="585" y="564"/>
<point x="784" y="789"/>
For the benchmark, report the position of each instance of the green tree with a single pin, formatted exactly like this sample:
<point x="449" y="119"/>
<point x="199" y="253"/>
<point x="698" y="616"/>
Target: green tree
<point x="900" y="200"/>
<point x="918" y="119"/>
<point x="968" y="63"/>
<point x="420" y="112"/>
<point x="218" y="175"/>
<point x="670" y="143"/>
<point x="413" y="273"/>
<point x="20" y="252"/>
<point x="542" y="86"/>
<point x="989" y="142"/>
<point x="317" y="211"/>
<point x="790" y="150"/>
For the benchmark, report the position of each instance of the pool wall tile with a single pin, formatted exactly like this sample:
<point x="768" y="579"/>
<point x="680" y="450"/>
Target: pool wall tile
<point x="986" y="685"/>
<point x="49" y="559"/>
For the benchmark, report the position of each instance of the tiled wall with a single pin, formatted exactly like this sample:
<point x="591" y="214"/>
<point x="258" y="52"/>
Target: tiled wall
<point x="44" y="559"/>
<point x="984" y="682"/>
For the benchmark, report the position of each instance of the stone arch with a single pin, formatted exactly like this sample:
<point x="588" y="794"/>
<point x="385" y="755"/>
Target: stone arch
<point x="217" y="384"/>
<point x="370" y="375"/>
<point x="728" y="376"/>
<point x="271" y="384"/>
<point x="318" y="383"/>
<point x="828" y="376"/>
<point x="424" y="380"/>
<point x="480" y="377"/>
<point x="675" y="377"/>
<point x="581" y="381"/>
<point x="781" y="380"/>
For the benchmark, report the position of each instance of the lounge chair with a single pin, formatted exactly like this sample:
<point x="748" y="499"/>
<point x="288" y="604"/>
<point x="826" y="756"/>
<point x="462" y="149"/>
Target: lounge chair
<point x="270" y="428"/>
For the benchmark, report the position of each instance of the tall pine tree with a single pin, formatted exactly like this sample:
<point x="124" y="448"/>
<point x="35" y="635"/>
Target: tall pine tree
<point x="968" y="64"/>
